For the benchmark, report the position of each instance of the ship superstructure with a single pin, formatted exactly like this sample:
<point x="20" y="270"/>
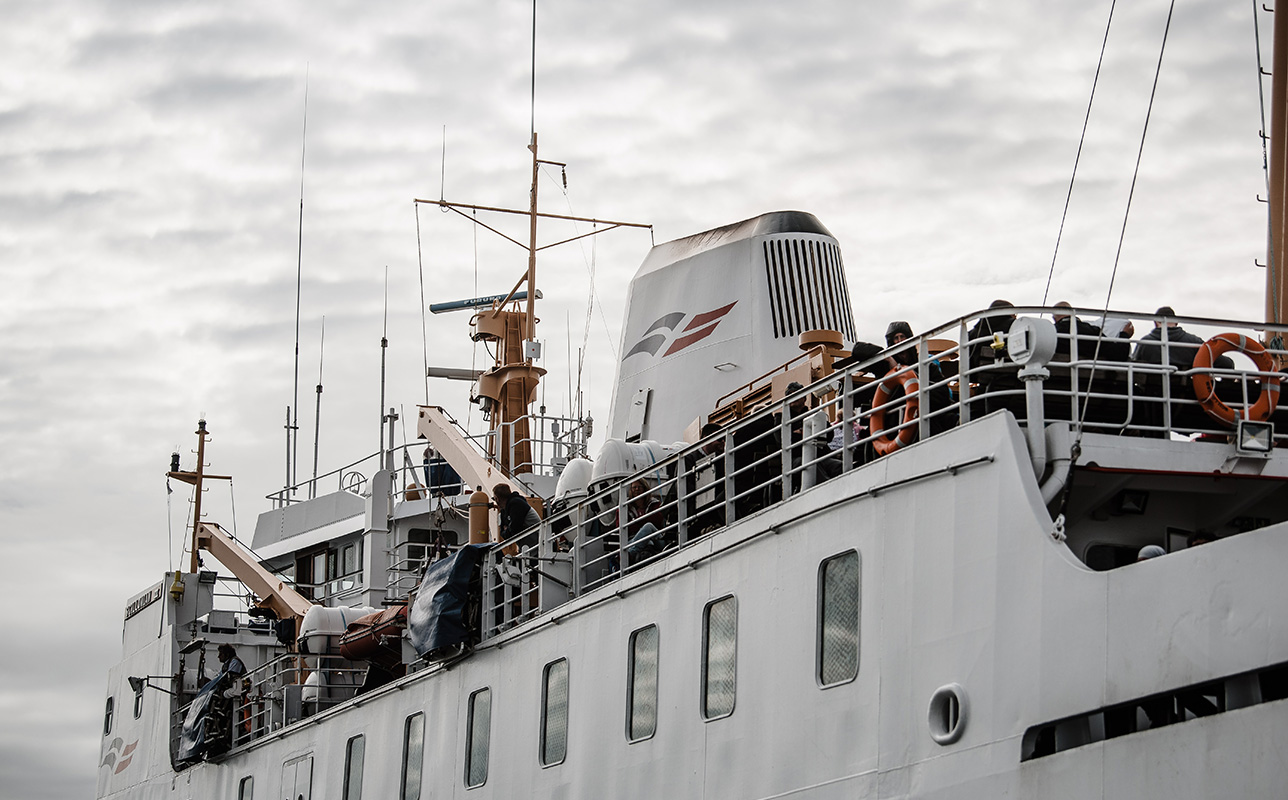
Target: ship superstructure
<point x="963" y="615"/>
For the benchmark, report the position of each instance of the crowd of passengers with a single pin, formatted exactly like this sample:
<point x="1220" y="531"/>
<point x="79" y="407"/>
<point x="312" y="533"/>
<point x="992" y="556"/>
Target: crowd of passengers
<point x="1110" y="382"/>
<point x="646" y="522"/>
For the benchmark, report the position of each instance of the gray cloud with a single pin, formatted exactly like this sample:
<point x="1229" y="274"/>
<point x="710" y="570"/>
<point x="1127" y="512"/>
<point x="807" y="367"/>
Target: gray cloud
<point x="149" y="198"/>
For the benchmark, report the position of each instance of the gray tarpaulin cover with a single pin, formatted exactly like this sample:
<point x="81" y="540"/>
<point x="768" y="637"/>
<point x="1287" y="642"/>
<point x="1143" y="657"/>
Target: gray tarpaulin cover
<point x="437" y="618"/>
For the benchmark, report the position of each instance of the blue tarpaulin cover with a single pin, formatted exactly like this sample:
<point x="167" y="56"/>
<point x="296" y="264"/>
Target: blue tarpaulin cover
<point x="192" y="740"/>
<point x="437" y="617"/>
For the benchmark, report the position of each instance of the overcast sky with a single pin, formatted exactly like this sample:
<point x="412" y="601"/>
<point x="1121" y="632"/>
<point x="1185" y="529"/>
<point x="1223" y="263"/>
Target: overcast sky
<point x="150" y="200"/>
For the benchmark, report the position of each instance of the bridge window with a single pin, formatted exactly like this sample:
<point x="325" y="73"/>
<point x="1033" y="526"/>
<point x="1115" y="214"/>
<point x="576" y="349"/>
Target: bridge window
<point x="641" y="702"/>
<point x="478" y="738"/>
<point x="554" y="714"/>
<point x="838" y="619"/>
<point x="719" y="657"/>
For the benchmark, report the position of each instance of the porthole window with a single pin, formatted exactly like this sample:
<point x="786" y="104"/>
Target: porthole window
<point x="641" y="688"/>
<point x="719" y="657"/>
<point x="838" y="619"/>
<point x="554" y="713"/>
<point x="948" y="713"/>
<point x="107" y="715"/>
<point x="478" y="738"/>
<point x="413" y="756"/>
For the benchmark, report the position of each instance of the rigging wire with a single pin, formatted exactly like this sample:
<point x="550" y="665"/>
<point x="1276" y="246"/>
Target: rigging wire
<point x="1122" y="235"/>
<point x="474" y="351"/>
<point x="232" y="501"/>
<point x="1265" y="168"/>
<point x="593" y="301"/>
<point x="1081" y="140"/>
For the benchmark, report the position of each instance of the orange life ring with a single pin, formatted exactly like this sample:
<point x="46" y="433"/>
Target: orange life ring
<point x="1205" y="386"/>
<point x="883" y="442"/>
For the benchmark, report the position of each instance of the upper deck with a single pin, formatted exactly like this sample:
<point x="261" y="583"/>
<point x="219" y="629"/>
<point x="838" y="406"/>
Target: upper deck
<point x="1125" y="457"/>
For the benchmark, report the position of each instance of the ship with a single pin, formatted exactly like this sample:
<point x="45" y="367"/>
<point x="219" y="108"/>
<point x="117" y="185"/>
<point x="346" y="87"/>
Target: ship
<point x="1024" y="553"/>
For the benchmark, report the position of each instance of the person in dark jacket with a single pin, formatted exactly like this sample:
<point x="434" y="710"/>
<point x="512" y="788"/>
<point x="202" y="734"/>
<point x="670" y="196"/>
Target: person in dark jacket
<point x="984" y="335"/>
<point x="1182" y="345"/>
<point x="898" y="332"/>
<point x="1085" y="332"/>
<point x="233" y="668"/>
<point x="941" y="396"/>
<point x="516" y="515"/>
<point x="992" y="370"/>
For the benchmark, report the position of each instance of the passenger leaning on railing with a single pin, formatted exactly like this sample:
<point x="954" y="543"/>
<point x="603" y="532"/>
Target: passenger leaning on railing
<point x="991" y="370"/>
<point x="516" y="514"/>
<point x="704" y="483"/>
<point x="940" y="395"/>
<point x="228" y="694"/>
<point x="644" y="520"/>
<point x="1181" y="347"/>
<point x="814" y="449"/>
<point x="1067" y="325"/>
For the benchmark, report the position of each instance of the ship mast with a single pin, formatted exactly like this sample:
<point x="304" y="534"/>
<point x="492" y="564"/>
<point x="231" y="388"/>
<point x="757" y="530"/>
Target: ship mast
<point x="510" y="386"/>
<point x="196" y="479"/>
<point x="1277" y="266"/>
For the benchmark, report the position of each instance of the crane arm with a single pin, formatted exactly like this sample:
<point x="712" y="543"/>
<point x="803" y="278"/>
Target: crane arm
<point x="274" y="593"/>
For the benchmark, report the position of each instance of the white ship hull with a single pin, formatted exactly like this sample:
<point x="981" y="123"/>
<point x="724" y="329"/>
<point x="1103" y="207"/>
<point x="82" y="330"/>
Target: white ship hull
<point x="961" y="583"/>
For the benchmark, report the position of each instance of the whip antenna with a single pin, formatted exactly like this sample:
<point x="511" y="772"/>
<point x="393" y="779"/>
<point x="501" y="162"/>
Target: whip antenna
<point x="317" y="414"/>
<point x="532" y="125"/>
<point x="384" y="347"/>
<point x="293" y="424"/>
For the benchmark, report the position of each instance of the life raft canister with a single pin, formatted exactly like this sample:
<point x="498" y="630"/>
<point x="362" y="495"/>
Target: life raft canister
<point x="882" y="442"/>
<point x="1205" y="386"/>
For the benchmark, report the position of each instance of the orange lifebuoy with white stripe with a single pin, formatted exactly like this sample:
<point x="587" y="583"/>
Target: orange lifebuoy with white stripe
<point x="1205" y="386"/>
<point x="882" y="442"/>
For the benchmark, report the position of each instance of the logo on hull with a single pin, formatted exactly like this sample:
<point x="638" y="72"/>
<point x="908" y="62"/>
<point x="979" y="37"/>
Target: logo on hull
<point x="700" y="327"/>
<point x="110" y="759"/>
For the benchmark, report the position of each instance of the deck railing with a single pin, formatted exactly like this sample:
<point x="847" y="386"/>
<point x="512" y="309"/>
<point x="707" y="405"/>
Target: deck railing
<point x="839" y="423"/>
<point x="848" y="419"/>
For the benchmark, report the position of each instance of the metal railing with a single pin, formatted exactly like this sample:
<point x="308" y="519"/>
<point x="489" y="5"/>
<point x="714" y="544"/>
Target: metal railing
<point x="552" y="442"/>
<point x="287" y="689"/>
<point x="851" y="418"/>
<point x="840" y="423"/>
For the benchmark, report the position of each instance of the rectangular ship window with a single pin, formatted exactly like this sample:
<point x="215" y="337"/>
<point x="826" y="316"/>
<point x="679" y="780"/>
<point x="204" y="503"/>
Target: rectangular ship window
<point x="554" y="713"/>
<point x="641" y="700"/>
<point x="353" y="757"/>
<point x="838" y="619"/>
<point x="478" y="734"/>
<point x="413" y="756"/>
<point x="719" y="657"/>
<point x="297" y="778"/>
<point x="246" y="789"/>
